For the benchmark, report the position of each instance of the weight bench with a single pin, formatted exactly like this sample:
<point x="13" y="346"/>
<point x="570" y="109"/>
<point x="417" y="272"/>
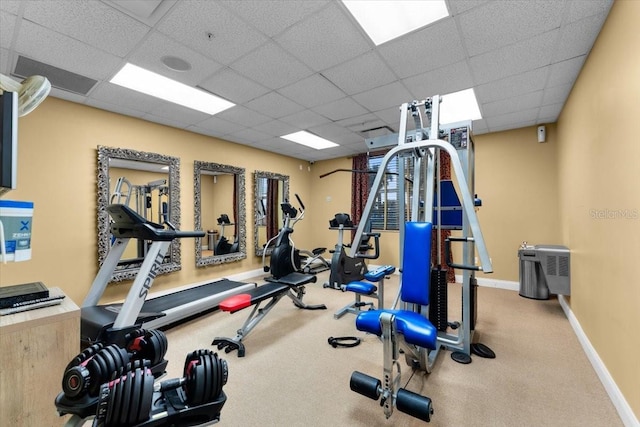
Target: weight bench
<point x="291" y="285"/>
<point x="362" y="288"/>
<point x="406" y="329"/>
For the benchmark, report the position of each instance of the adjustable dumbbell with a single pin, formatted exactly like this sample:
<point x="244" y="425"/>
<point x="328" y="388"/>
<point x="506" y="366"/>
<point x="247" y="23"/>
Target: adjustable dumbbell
<point x="128" y="399"/>
<point x="97" y="363"/>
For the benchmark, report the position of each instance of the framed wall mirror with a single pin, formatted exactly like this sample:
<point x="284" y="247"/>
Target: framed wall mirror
<point x="219" y="196"/>
<point x="270" y="189"/>
<point x="149" y="183"/>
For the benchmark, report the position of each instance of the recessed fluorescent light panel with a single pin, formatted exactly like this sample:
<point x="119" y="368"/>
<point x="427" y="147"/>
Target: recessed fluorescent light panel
<point x="458" y="106"/>
<point x="310" y="140"/>
<point x="145" y="81"/>
<point x="384" y="20"/>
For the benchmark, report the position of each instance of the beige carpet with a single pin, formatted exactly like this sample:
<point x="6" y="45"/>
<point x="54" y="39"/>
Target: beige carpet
<point x="291" y="376"/>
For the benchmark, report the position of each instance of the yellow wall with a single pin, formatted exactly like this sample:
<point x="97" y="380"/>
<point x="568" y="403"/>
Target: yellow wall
<point x="599" y="193"/>
<point x="516" y="178"/>
<point x="57" y="171"/>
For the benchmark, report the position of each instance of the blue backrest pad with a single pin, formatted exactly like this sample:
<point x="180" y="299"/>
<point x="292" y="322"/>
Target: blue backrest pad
<point x="416" y="263"/>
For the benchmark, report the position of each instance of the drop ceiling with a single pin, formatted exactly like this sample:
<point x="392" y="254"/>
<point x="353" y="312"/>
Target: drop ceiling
<point x="305" y="65"/>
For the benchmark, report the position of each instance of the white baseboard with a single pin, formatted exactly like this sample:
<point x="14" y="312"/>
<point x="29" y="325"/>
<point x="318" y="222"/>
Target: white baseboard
<point x="622" y="406"/>
<point x="494" y="283"/>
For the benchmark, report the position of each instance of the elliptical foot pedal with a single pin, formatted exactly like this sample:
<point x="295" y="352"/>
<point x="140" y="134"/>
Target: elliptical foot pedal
<point x="461" y="357"/>
<point x="229" y="345"/>
<point x="482" y="350"/>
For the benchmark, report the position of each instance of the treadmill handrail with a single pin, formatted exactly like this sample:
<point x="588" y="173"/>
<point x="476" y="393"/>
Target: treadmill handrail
<point x="127" y="223"/>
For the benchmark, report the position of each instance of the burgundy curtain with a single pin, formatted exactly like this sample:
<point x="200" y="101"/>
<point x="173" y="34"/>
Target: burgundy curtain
<point x="359" y="188"/>
<point x="272" y="208"/>
<point x="445" y="173"/>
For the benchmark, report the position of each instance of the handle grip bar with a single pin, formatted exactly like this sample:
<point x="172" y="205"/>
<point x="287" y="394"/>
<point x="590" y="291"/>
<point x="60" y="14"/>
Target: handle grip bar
<point x="447" y="253"/>
<point x="300" y="201"/>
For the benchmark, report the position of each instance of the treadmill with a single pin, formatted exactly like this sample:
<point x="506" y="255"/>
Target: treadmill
<point x="110" y="323"/>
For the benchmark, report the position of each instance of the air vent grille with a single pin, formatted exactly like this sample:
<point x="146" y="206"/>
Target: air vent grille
<point x="59" y="78"/>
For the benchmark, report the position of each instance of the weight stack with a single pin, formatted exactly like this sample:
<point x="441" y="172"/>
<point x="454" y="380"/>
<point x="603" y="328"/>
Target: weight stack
<point x="474" y="302"/>
<point x="438" y="304"/>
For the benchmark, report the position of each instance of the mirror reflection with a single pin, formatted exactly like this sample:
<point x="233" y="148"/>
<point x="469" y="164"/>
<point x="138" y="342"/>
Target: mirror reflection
<point x="270" y="189"/>
<point x="147" y="183"/>
<point x="220" y="212"/>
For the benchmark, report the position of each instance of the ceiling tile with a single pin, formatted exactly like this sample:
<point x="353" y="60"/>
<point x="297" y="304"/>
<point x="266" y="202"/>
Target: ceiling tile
<point x="324" y="39"/>
<point x="479" y="126"/>
<point x="510" y="118"/>
<point x="157" y="45"/>
<point x="243" y="115"/>
<point x="274" y="105"/>
<point x="305" y="119"/>
<point x="65" y="52"/>
<point x="164" y="121"/>
<point x="552" y="111"/>
<point x="565" y="71"/>
<point x="185" y="115"/>
<point x="517" y="103"/>
<point x="272" y="16"/>
<point x="217" y="126"/>
<point x="117" y="95"/>
<point x="383" y="97"/>
<point x="448" y="79"/>
<point x="7" y="25"/>
<point x="360" y="74"/>
<point x="340" y="109"/>
<point x="11" y="6"/>
<point x="312" y="91"/>
<point x="517" y="58"/>
<point x="391" y="116"/>
<point x="67" y="96"/>
<point x="497" y="24"/>
<point x="459" y="6"/>
<point x="190" y="21"/>
<point x="579" y="9"/>
<point x="232" y="86"/>
<point x="510" y="126"/>
<point x="556" y="94"/>
<point x="271" y="66"/>
<point x="435" y="46"/>
<point x="116" y="108"/>
<point x="5" y="65"/>
<point x="249" y="135"/>
<point x="509" y="87"/>
<point x="276" y="128"/>
<point x="331" y="131"/>
<point x="94" y="23"/>
<point x="577" y="38"/>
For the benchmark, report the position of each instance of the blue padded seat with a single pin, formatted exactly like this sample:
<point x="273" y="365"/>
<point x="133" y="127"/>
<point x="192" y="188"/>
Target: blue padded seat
<point x="416" y="328"/>
<point x="361" y="287"/>
<point x="416" y="275"/>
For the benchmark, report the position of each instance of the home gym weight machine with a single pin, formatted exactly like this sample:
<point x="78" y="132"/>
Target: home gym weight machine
<point x="409" y="328"/>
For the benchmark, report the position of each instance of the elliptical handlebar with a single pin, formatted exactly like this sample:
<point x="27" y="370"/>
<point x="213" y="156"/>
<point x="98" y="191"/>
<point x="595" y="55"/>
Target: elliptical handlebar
<point x="300" y="201"/>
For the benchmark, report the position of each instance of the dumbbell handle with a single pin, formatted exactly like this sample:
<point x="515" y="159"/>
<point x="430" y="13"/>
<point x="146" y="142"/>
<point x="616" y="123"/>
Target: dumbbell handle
<point x="169" y="384"/>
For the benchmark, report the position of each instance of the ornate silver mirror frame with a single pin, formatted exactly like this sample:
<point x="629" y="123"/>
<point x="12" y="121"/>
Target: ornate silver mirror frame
<point x="206" y="168"/>
<point x="260" y="180"/>
<point x="138" y="160"/>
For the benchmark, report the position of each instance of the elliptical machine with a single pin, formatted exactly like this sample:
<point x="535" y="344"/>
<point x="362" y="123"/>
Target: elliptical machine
<point x="224" y="246"/>
<point x="345" y="269"/>
<point x="285" y="258"/>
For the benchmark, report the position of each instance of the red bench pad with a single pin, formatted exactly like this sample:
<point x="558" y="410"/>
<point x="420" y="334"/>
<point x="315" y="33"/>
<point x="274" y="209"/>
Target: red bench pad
<point x="253" y="296"/>
<point x="236" y="302"/>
